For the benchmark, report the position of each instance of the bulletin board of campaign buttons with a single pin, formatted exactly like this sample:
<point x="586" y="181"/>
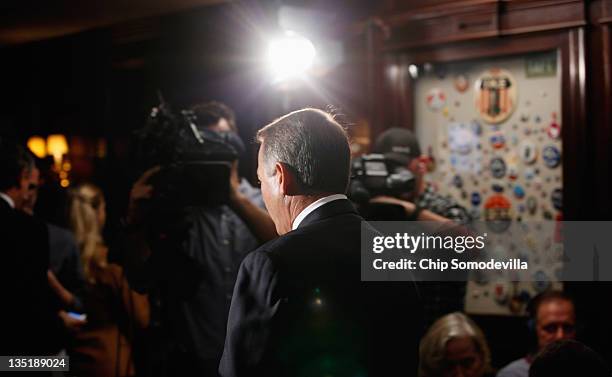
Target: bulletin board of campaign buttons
<point x="493" y="129"/>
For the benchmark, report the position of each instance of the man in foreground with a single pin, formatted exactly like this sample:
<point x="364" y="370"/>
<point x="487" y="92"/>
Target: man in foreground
<point x="299" y="307"/>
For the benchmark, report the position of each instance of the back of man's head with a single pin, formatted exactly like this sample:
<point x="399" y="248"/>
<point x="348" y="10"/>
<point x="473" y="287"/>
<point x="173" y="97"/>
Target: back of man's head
<point x="14" y="160"/>
<point x="313" y="145"/>
<point x="568" y="358"/>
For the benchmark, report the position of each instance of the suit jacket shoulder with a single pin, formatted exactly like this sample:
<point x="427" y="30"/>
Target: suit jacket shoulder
<point x="299" y="299"/>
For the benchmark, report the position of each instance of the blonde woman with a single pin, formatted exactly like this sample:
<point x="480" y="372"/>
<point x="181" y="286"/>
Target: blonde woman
<point x="454" y="346"/>
<point x="102" y="347"/>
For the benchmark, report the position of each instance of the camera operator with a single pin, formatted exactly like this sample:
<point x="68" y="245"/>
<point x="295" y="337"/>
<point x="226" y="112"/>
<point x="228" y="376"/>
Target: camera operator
<point x="187" y="257"/>
<point x="401" y="149"/>
<point x="411" y="198"/>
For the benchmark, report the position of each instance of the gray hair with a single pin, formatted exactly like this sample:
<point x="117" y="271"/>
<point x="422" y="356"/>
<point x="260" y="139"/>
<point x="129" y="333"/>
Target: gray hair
<point x="432" y="349"/>
<point x="313" y="145"/>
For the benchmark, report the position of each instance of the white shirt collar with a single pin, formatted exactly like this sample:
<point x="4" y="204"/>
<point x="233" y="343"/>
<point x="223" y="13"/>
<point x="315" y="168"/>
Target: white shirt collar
<point x="314" y="205"/>
<point x="8" y="199"/>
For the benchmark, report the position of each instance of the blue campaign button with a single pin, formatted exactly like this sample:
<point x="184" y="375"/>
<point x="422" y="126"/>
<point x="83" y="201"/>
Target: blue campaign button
<point x="557" y="198"/>
<point x="551" y="156"/>
<point x="519" y="192"/>
<point x="476" y="198"/>
<point x="497" y="140"/>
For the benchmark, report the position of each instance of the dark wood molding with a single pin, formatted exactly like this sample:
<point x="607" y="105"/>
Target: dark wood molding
<point x="575" y="129"/>
<point x="600" y="12"/>
<point x="443" y="25"/>
<point x="522" y="17"/>
<point x="599" y="82"/>
<point x="484" y="48"/>
<point x="374" y="75"/>
<point x="477" y="19"/>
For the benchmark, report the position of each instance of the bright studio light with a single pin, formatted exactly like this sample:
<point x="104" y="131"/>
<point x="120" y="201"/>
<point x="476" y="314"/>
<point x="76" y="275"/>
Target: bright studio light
<point x="290" y="56"/>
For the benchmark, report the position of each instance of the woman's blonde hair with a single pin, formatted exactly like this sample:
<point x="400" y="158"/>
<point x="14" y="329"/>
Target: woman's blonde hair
<point x="85" y="202"/>
<point x="432" y="350"/>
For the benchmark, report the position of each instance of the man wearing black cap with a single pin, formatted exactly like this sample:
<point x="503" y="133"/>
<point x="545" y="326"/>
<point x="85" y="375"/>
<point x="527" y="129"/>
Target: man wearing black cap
<point x="401" y="147"/>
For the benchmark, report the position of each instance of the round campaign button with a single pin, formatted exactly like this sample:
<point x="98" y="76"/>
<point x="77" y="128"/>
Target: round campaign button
<point x="557" y="198"/>
<point x="475" y="198"/>
<point x="436" y="99"/>
<point x="498" y="167"/>
<point x="541" y="281"/>
<point x="496" y="187"/>
<point x="513" y="172"/>
<point x="457" y="181"/>
<point x="461" y="83"/>
<point x="498" y="214"/>
<point x="528" y="152"/>
<point x="554" y="130"/>
<point x="497" y="140"/>
<point x="519" y="192"/>
<point x="532" y="204"/>
<point x="529" y="173"/>
<point x="461" y="140"/>
<point x="551" y="156"/>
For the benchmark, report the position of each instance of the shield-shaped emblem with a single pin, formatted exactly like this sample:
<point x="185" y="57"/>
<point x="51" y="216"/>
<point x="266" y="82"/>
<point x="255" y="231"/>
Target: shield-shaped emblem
<point x="495" y="94"/>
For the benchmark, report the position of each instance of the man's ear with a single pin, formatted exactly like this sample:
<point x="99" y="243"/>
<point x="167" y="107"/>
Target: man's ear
<point x="287" y="181"/>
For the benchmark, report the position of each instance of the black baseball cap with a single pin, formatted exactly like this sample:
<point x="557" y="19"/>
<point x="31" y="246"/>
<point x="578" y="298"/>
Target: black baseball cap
<point x="398" y="145"/>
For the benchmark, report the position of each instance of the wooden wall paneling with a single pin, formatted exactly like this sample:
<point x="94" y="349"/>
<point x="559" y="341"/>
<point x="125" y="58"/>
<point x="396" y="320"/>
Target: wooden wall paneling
<point x="397" y="93"/>
<point x="443" y="25"/>
<point x="574" y="131"/>
<point x="416" y="24"/>
<point x="530" y="16"/>
<point x="482" y="48"/>
<point x="405" y="91"/>
<point x="374" y="76"/>
<point x="599" y="44"/>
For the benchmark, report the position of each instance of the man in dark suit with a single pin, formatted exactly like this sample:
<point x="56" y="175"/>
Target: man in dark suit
<point x="299" y="307"/>
<point x="30" y="324"/>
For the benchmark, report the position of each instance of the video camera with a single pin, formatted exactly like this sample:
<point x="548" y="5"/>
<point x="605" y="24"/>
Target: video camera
<point x="373" y="175"/>
<point x="195" y="163"/>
